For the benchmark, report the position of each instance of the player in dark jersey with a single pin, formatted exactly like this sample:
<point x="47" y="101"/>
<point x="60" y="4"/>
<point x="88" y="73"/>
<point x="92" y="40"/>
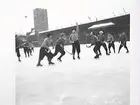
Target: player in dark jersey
<point x="95" y="41"/>
<point x="101" y="38"/>
<point x="123" y="40"/>
<point x="110" y="40"/>
<point x="45" y="50"/>
<point x="59" y="47"/>
<point x="17" y="47"/>
<point x="32" y="47"/>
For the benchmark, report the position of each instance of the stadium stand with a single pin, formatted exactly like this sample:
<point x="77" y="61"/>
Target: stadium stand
<point x="122" y="24"/>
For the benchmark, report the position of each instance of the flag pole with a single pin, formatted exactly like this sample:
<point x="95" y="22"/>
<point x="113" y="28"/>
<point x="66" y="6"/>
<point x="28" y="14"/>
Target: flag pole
<point x="124" y="11"/>
<point x="114" y="14"/>
<point x="96" y="18"/>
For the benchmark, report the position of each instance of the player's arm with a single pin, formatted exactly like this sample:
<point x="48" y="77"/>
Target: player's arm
<point x="70" y="39"/>
<point x="63" y="42"/>
<point x="22" y="44"/>
<point x="52" y="44"/>
<point x="107" y="38"/>
<point x="28" y="33"/>
<point x="77" y="28"/>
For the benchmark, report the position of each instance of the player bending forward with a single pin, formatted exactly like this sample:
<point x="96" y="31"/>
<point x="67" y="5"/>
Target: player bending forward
<point x="59" y="47"/>
<point x="45" y="50"/>
<point x="101" y="38"/>
<point x="75" y="42"/>
<point x="95" y="41"/>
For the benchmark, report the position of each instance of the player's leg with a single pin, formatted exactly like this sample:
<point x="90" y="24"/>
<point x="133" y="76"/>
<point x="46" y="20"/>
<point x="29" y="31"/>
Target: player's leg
<point x="78" y="49"/>
<point x="105" y="47"/>
<point x="61" y="50"/>
<point x="56" y="50"/>
<point x="73" y="50"/>
<point x="49" y="56"/>
<point x="95" y="49"/>
<point x="32" y="49"/>
<point x="18" y="54"/>
<point x="109" y="46"/>
<point x="25" y="52"/>
<point x="113" y="46"/>
<point x="125" y="46"/>
<point x="99" y="51"/>
<point x="28" y="52"/>
<point x="41" y="56"/>
<point x="121" y="45"/>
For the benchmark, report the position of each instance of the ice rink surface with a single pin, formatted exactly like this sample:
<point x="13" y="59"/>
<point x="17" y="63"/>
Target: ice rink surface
<point x="87" y="81"/>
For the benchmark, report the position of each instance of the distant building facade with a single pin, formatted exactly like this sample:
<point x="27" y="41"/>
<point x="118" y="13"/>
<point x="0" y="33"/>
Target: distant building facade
<point x="40" y="19"/>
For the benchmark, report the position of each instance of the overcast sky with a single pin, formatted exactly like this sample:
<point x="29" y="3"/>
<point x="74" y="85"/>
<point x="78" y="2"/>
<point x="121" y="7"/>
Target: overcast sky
<point x="62" y="13"/>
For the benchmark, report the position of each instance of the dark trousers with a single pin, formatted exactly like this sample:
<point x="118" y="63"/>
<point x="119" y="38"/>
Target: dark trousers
<point x="18" y="52"/>
<point x="104" y="46"/>
<point x="58" y="49"/>
<point x="96" y="48"/>
<point x="111" y="45"/>
<point x="76" y="47"/>
<point x="123" y="44"/>
<point x="43" y="52"/>
<point x="30" y="51"/>
<point x="26" y="51"/>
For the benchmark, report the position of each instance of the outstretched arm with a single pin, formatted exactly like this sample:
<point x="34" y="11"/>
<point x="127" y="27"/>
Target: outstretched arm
<point x="77" y="28"/>
<point x="70" y="39"/>
<point x="28" y="33"/>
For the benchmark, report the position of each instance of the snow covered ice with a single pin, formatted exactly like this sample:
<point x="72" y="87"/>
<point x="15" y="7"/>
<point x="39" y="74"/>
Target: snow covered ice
<point x="74" y="82"/>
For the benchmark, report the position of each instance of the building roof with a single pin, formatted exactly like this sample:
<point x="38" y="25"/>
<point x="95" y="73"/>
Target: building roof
<point x="123" y="18"/>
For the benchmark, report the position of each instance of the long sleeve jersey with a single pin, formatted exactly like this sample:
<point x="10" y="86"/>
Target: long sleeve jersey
<point x="94" y="39"/>
<point x="101" y="38"/>
<point x="60" y="41"/>
<point x="74" y="36"/>
<point x="110" y="38"/>
<point x="17" y="42"/>
<point x="123" y="37"/>
<point x="47" y="43"/>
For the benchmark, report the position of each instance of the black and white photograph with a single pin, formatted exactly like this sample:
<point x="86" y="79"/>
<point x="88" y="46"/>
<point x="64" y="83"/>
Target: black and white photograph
<point x="72" y="52"/>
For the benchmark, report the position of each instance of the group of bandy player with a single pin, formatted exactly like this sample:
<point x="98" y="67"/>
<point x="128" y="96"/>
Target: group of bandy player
<point x="96" y="40"/>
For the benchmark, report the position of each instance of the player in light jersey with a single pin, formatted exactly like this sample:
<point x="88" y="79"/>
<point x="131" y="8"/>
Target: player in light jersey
<point x="45" y="50"/>
<point x="110" y="40"/>
<point x="74" y="39"/>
